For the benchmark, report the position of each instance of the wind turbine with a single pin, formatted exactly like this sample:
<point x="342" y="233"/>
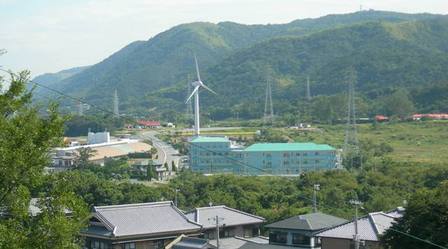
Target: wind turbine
<point x="197" y="85"/>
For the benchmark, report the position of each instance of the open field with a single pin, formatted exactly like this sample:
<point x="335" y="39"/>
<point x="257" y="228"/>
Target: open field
<point x="425" y="142"/>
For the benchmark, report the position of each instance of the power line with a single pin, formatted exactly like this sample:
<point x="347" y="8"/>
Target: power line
<point x="412" y="236"/>
<point x="79" y="100"/>
<point x="227" y="157"/>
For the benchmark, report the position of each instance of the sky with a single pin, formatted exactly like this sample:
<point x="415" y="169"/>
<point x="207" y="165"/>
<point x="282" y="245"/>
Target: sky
<point x="51" y="35"/>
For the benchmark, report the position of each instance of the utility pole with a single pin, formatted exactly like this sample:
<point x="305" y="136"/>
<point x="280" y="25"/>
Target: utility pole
<point x="216" y="219"/>
<point x="316" y="188"/>
<point x="356" y="238"/>
<point x="175" y="196"/>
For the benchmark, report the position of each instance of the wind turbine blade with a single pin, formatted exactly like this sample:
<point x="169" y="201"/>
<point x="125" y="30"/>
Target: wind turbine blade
<point x="206" y="87"/>
<point x="194" y="91"/>
<point x="197" y="68"/>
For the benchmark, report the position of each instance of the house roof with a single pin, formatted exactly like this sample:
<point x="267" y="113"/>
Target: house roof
<point x="144" y="219"/>
<point x="309" y="222"/>
<point x="252" y="245"/>
<point x="192" y="243"/>
<point x="230" y="216"/>
<point x="289" y="147"/>
<point x="148" y="122"/>
<point x="370" y="227"/>
<point x="202" y="139"/>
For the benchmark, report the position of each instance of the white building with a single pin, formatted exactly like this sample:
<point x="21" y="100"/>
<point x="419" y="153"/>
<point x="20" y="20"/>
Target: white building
<point x="98" y="138"/>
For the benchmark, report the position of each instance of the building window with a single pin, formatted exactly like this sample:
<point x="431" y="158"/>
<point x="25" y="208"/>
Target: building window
<point x="98" y="245"/>
<point x="129" y="246"/>
<point x="300" y="239"/>
<point x="278" y="237"/>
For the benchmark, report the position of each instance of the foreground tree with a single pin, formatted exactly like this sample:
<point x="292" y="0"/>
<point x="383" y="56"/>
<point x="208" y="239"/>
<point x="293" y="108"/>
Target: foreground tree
<point x="25" y="141"/>
<point x="425" y="222"/>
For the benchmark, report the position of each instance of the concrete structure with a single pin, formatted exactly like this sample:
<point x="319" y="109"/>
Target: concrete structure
<point x="98" y="138"/>
<point x="210" y="155"/>
<point x="135" y="226"/>
<point x="300" y="231"/>
<point x="65" y="157"/>
<point x="232" y="222"/>
<point x="370" y="228"/>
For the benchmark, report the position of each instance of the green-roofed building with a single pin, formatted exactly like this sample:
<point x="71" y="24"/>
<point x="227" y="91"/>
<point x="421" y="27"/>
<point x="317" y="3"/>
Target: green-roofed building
<point x="210" y="155"/>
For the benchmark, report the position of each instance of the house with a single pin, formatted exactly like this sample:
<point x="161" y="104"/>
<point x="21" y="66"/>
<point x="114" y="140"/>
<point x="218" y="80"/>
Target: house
<point x="370" y="229"/>
<point x="433" y="116"/>
<point x="232" y="222"/>
<point x="301" y="230"/>
<point x="133" y="226"/>
<point x="149" y="123"/>
<point x="184" y="242"/>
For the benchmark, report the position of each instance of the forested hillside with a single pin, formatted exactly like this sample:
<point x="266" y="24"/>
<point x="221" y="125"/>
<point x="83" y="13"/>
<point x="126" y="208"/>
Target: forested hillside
<point x="387" y="57"/>
<point x="388" y="50"/>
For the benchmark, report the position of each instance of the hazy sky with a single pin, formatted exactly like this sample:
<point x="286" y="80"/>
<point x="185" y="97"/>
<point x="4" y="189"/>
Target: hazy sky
<point x="51" y="35"/>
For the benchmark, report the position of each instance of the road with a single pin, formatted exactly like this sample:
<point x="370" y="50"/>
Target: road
<point x="166" y="153"/>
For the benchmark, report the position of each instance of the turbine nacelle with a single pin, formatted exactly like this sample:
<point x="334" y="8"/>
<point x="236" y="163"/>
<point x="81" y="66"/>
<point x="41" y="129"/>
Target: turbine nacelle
<point x="198" y="83"/>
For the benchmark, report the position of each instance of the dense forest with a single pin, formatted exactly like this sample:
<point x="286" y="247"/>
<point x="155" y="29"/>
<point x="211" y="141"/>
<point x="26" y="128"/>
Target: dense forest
<point x="390" y="52"/>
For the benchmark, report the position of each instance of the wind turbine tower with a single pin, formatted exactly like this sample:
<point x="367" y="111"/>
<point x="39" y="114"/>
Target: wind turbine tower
<point x="116" y="112"/>
<point x="197" y="85"/>
<point x="268" y="106"/>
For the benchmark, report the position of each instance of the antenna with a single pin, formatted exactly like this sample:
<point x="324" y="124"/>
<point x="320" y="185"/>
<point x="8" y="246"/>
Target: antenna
<point x="116" y="113"/>
<point x="351" y="146"/>
<point x="268" y="117"/>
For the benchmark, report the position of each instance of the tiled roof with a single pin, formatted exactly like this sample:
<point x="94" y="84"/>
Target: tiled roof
<point x="191" y="243"/>
<point x="369" y="227"/>
<point x="310" y="222"/>
<point x="231" y="217"/>
<point x="201" y="139"/>
<point x="252" y="245"/>
<point x="144" y="219"/>
<point x="289" y="147"/>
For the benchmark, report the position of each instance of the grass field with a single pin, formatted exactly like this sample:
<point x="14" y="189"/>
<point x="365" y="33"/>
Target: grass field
<point x="419" y="142"/>
<point x="412" y="141"/>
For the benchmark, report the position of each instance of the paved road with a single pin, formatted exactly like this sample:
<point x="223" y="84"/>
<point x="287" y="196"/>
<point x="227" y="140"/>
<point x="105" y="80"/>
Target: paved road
<point x="166" y="152"/>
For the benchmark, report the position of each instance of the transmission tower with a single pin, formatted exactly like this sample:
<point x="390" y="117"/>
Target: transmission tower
<point x="116" y="112"/>
<point x="268" y="106"/>
<point x="189" y="112"/>
<point x="308" y="91"/>
<point x="351" y="144"/>
<point x="80" y="108"/>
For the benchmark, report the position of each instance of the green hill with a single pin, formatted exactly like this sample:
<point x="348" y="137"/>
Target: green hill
<point x="235" y="59"/>
<point x="386" y="56"/>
